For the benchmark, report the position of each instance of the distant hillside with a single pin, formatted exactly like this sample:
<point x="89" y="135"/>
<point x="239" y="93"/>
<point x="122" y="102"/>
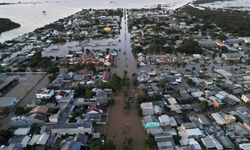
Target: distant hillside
<point x="7" y="24"/>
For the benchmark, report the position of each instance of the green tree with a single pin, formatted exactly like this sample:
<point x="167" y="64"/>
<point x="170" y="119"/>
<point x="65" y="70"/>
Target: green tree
<point x="89" y="94"/>
<point x="150" y="140"/>
<point x="189" y="46"/>
<point x="114" y="83"/>
<point x="177" y="139"/>
<point x="96" y="145"/>
<point x="7" y="24"/>
<point x="203" y="105"/>
<point x="20" y="111"/>
<point x="5" y="135"/>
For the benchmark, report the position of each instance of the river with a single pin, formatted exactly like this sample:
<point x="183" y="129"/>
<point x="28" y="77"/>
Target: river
<point x="30" y="14"/>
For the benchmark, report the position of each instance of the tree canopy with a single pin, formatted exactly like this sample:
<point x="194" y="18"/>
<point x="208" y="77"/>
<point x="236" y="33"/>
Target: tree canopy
<point x="7" y="24"/>
<point x="232" y="21"/>
<point x="189" y="46"/>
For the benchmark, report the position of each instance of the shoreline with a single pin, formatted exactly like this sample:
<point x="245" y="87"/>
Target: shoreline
<point x="15" y="33"/>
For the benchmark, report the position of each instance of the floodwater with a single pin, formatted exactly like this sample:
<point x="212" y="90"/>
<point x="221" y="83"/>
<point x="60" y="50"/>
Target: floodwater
<point x="30" y="12"/>
<point x="125" y="61"/>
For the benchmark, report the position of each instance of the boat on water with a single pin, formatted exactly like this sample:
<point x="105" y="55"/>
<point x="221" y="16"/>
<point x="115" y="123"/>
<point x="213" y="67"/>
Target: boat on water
<point x="44" y="12"/>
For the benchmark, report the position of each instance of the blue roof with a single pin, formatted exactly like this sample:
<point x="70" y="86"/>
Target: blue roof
<point x="74" y="145"/>
<point x="152" y="125"/>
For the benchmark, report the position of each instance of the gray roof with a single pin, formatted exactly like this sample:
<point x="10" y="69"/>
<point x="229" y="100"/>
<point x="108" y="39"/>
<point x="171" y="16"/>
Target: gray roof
<point x="66" y="126"/>
<point x="188" y="125"/>
<point x="5" y="80"/>
<point x="89" y="117"/>
<point x="226" y="142"/>
<point x="164" y="137"/>
<point x="8" y="101"/>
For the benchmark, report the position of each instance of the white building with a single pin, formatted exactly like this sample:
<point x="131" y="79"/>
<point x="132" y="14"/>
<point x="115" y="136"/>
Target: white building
<point x="164" y="120"/>
<point x="147" y="108"/>
<point x="194" y="143"/>
<point x="231" y="57"/>
<point x="246" y="98"/>
<point x="244" y="146"/>
<point x="71" y="129"/>
<point x="45" y="93"/>
<point x="54" y="118"/>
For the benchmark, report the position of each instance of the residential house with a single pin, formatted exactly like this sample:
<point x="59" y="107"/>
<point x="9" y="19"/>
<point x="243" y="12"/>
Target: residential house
<point x="71" y="129"/>
<point x="71" y="145"/>
<point x="232" y="57"/>
<point x="245" y="98"/>
<point x="45" y="93"/>
<point x="39" y="109"/>
<point x="230" y="118"/>
<point x="147" y="108"/>
<point x="164" y="120"/>
<point x="26" y="121"/>
<point x="64" y="96"/>
<point x="93" y="109"/>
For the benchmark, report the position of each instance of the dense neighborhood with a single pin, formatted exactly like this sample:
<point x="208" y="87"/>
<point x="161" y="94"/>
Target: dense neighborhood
<point x="98" y="78"/>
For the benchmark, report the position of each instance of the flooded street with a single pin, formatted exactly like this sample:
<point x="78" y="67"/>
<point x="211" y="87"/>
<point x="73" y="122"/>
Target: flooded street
<point x="31" y="16"/>
<point x="125" y="60"/>
<point x="123" y="124"/>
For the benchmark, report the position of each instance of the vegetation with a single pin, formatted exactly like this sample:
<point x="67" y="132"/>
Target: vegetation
<point x="190" y="82"/>
<point x="238" y="118"/>
<point x="20" y="111"/>
<point x="114" y="83"/>
<point x="5" y="136"/>
<point x="189" y="46"/>
<point x="56" y="145"/>
<point x="231" y="21"/>
<point x="7" y="24"/>
<point x="78" y="112"/>
<point x="78" y="67"/>
<point x="111" y="101"/>
<point x="96" y="145"/>
<point x="85" y="92"/>
<point x="150" y="141"/>
<point x="177" y="139"/>
<point x="58" y="39"/>
<point x="136" y="49"/>
<point x="35" y="129"/>
<point x="44" y="63"/>
<point x="203" y="105"/>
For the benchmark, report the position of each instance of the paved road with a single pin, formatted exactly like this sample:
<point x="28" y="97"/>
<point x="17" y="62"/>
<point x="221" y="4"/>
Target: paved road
<point x="29" y="96"/>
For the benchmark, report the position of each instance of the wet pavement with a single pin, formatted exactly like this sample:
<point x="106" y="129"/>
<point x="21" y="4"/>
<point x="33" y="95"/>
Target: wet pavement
<point x="32" y="83"/>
